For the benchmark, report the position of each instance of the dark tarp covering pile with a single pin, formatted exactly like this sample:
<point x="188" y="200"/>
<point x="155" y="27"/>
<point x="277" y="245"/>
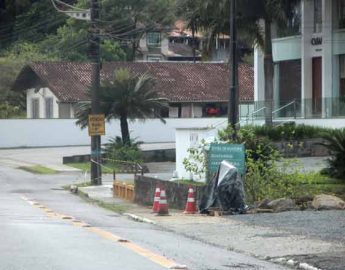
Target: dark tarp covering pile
<point x="225" y="191"/>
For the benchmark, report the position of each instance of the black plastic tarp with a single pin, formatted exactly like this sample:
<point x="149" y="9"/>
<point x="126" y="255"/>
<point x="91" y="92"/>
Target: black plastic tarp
<point x="225" y="191"/>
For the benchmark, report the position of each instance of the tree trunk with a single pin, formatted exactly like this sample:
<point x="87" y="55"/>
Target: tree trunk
<point x="269" y="73"/>
<point x="124" y="129"/>
<point x="193" y="41"/>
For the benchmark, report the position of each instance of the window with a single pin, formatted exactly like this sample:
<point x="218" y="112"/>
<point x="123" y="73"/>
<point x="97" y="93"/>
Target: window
<point x="64" y="110"/>
<point x="317" y="16"/>
<point x="35" y="108"/>
<point x="342" y="75"/>
<point x="153" y="39"/>
<point x="153" y="58"/>
<point x="341" y="13"/>
<point x="293" y="23"/>
<point x="49" y="107"/>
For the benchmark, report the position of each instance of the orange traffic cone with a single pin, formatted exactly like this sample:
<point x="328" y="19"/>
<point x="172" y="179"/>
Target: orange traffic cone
<point x="156" y="200"/>
<point x="163" y="204"/>
<point x="190" y="205"/>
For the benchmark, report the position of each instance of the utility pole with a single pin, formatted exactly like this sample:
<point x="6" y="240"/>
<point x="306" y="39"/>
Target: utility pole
<point x="91" y="15"/>
<point x="94" y="55"/>
<point x="233" y="103"/>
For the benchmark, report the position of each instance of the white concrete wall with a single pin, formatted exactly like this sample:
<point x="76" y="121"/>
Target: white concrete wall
<point x="287" y="48"/>
<point x="190" y="138"/>
<point x="63" y="132"/>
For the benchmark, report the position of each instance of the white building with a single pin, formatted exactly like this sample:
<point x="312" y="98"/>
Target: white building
<point x="309" y="57"/>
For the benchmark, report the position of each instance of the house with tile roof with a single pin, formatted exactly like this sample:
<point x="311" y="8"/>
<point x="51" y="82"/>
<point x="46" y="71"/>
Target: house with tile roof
<point x="192" y="90"/>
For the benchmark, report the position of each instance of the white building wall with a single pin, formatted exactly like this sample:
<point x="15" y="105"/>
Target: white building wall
<point x="307" y="53"/>
<point x="191" y="138"/>
<point x="41" y="95"/>
<point x="327" y="57"/>
<point x="259" y="76"/>
<point x="301" y="47"/>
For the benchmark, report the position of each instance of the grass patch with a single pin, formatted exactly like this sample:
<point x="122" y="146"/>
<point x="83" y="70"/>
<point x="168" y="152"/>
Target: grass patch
<point x="85" y="166"/>
<point x="189" y="182"/>
<point x="118" y="208"/>
<point x="82" y="184"/>
<point x="315" y="183"/>
<point x="37" y="169"/>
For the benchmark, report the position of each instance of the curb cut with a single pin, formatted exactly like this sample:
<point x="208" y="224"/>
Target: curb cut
<point x="139" y="219"/>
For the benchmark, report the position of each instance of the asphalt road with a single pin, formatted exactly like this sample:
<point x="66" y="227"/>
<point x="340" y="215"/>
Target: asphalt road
<point x="44" y="227"/>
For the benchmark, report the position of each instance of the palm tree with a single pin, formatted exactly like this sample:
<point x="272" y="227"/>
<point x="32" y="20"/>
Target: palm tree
<point x="255" y="19"/>
<point x="334" y="141"/>
<point x="126" y="96"/>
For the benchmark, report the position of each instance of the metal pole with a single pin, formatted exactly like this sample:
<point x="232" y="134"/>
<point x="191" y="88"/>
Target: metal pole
<point x="94" y="54"/>
<point x="233" y="116"/>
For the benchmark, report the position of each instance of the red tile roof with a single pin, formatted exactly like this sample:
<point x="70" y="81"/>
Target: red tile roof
<point x="178" y="82"/>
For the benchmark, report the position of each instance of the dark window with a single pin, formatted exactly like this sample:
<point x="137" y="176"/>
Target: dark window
<point x="64" y="110"/>
<point x="317" y="16"/>
<point x="49" y="107"/>
<point x="342" y="75"/>
<point x="153" y="39"/>
<point x="35" y="108"/>
<point x="341" y="13"/>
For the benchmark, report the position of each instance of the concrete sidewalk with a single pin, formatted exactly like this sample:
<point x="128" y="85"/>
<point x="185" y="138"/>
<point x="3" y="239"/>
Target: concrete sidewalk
<point x="269" y="243"/>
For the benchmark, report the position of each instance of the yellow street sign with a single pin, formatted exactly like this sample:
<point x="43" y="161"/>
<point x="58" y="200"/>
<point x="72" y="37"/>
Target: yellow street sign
<point x="96" y="124"/>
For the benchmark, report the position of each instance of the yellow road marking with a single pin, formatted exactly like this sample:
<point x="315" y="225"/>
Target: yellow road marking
<point x="156" y="258"/>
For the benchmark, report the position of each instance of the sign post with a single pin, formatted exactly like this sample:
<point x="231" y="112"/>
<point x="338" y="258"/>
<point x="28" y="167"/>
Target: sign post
<point x="96" y="125"/>
<point x="234" y="153"/>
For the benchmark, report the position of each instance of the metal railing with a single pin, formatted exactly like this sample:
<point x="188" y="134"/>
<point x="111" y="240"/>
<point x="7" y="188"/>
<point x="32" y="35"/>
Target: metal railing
<point x="286" y="106"/>
<point x="121" y="166"/>
<point x="250" y="116"/>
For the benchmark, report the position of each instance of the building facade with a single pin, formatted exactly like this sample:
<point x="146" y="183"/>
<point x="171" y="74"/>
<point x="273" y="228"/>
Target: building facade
<point x="54" y="89"/>
<point x="309" y="62"/>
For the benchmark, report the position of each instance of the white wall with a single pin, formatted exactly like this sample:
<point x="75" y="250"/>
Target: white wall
<point x="287" y="48"/>
<point x="63" y="132"/>
<point x="191" y="138"/>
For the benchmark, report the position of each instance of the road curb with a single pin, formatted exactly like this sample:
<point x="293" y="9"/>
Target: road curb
<point x="293" y="263"/>
<point x="139" y="219"/>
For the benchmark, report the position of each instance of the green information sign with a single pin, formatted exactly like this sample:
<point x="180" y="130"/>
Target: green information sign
<point x="234" y="153"/>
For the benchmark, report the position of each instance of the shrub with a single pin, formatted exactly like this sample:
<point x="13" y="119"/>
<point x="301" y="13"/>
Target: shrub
<point x="195" y="163"/>
<point x="116" y="150"/>
<point x="289" y="131"/>
<point x="257" y="147"/>
<point x="335" y="143"/>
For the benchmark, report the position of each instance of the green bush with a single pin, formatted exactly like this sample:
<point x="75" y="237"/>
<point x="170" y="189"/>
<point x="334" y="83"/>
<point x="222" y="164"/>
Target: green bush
<point x="116" y="150"/>
<point x="335" y="143"/>
<point x="257" y="147"/>
<point x="290" y="131"/>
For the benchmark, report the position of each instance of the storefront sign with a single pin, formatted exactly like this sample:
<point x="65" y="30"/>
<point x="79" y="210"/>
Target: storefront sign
<point x="234" y="153"/>
<point x="316" y="41"/>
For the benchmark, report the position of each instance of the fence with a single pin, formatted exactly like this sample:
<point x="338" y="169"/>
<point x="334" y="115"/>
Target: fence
<point x="315" y="108"/>
<point x="64" y="132"/>
<point x="123" y="190"/>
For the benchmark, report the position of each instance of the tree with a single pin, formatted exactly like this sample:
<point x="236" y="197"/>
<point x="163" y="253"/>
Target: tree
<point x="11" y="63"/>
<point x="126" y="96"/>
<point x="255" y="20"/>
<point x="133" y="19"/>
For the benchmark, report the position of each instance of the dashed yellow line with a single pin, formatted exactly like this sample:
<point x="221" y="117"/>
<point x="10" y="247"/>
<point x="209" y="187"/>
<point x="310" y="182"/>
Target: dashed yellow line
<point x="156" y="258"/>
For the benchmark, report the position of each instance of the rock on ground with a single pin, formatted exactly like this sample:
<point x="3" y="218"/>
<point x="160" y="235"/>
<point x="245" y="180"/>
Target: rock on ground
<point x="281" y="205"/>
<point x="328" y="202"/>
